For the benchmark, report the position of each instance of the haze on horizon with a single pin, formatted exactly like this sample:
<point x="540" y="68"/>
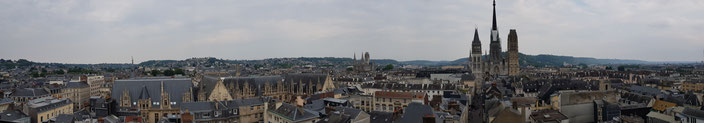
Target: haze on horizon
<point x="82" y="31"/>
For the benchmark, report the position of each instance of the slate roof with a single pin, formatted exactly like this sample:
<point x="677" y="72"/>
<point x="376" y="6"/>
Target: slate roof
<point x="699" y="114"/>
<point x="152" y="88"/>
<point x="197" y="106"/>
<point x="11" y="115"/>
<point x="636" y="97"/>
<point x="380" y="117"/>
<point x="64" y="118"/>
<point x="396" y="86"/>
<point x="352" y="112"/>
<point x="77" y="85"/>
<point x="414" y="113"/>
<point x="47" y="103"/>
<point x="293" y="113"/>
<point x="317" y="106"/>
<point x="645" y="90"/>
<point x="29" y="92"/>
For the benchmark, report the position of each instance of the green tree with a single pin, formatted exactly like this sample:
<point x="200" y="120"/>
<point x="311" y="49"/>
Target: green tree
<point x="60" y="72"/>
<point x="155" y="72"/>
<point x="388" y="67"/>
<point x="179" y="71"/>
<point x="168" y="72"/>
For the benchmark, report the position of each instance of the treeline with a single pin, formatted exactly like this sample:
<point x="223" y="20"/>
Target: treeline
<point x="169" y="72"/>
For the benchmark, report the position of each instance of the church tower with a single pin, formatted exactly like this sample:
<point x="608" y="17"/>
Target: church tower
<point x="495" y="56"/>
<point x="475" y="57"/>
<point x="513" y="67"/>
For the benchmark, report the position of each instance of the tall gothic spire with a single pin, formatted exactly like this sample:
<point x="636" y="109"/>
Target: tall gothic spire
<point x="476" y="36"/>
<point x="493" y="24"/>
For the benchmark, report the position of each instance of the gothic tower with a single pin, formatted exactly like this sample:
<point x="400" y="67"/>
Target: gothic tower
<point x="513" y="67"/>
<point x="495" y="56"/>
<point x="475" y="62"/>
<point x="475" y="58"/>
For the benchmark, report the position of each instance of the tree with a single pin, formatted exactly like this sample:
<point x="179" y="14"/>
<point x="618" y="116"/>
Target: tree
<point x="388" y="67"/>
<point x="168" y="72"/>
<point x="155" y="72"/>
<point x="59" y="72"/>
<point x="179" y="71"/>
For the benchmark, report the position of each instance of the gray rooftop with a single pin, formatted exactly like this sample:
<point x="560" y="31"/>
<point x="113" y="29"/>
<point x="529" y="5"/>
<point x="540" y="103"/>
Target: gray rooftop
<point x="414" y="113"/>
<point x="293" y="113"/>
<point x="151" y="88"/>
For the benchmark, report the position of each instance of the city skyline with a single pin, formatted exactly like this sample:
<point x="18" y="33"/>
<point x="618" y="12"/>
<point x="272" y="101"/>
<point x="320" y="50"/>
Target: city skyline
<point x="106" y="32"/>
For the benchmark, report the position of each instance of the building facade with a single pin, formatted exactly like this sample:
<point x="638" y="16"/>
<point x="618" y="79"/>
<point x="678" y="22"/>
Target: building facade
<point x="77" y="92"/>
<point x="95" y="83"/>
<point x="394" y="101"/>
<point x="287" y="88"/>
<point x="152" y="99"/>
<point x="42" y="109"/>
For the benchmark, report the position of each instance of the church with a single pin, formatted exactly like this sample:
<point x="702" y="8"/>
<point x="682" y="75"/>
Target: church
<point x="496" y="63"/>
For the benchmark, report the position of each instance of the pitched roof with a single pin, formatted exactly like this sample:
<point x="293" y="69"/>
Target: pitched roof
<point x="11" y="115"/>
<point x="380" y="117"/>
<point x="292" y="112"/>
<point x="29" y="92"/>
<point x="699" y="114"/>
<point x="176" y="88"/>
<point x="415" y="112"/>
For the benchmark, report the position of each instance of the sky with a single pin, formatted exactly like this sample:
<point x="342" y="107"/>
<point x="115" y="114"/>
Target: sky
<point x="112" y="31"/>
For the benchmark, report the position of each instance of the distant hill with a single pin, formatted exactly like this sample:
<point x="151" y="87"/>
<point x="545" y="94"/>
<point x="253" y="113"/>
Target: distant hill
<point x="525" y="60"/>
<point x="532" y="60"/>
<point x="555" y="60"/>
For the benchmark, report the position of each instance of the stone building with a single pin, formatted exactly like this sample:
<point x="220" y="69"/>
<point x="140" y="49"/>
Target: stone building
<point x="42" y="109"/>
<point x="395" y="101"/>
<point x="152" y="99"/>
<point x="287" y="87"/>
<point x="363" y="64"/>
<point x="77" y="92"/>
<point x="239" y="110"/>
<point x="95" y="83"/>
<point x="497" y="63"/>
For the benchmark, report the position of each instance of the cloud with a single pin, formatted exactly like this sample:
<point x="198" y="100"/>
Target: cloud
<point x="81" y="31"/>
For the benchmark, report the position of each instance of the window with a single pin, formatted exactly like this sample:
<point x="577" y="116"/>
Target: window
<point x="251" y="107"/>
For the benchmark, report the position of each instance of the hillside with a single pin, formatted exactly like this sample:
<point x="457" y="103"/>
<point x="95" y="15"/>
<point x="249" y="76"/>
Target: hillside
<point x="555" y="60"/>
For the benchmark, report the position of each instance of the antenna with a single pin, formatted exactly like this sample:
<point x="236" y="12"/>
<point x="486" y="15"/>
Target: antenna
<point x="132" y="59"/>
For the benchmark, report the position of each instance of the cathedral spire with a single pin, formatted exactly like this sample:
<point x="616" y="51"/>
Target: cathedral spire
<point x="493" y="24"/>
<point x="476" y="36"/>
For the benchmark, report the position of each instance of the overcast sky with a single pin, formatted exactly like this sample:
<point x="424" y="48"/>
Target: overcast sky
<point x="85" y="31"/>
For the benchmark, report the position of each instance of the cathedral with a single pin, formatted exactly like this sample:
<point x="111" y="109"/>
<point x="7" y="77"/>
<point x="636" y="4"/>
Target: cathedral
<point x="496" y="63"/>
<point x="363" y="64"/>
